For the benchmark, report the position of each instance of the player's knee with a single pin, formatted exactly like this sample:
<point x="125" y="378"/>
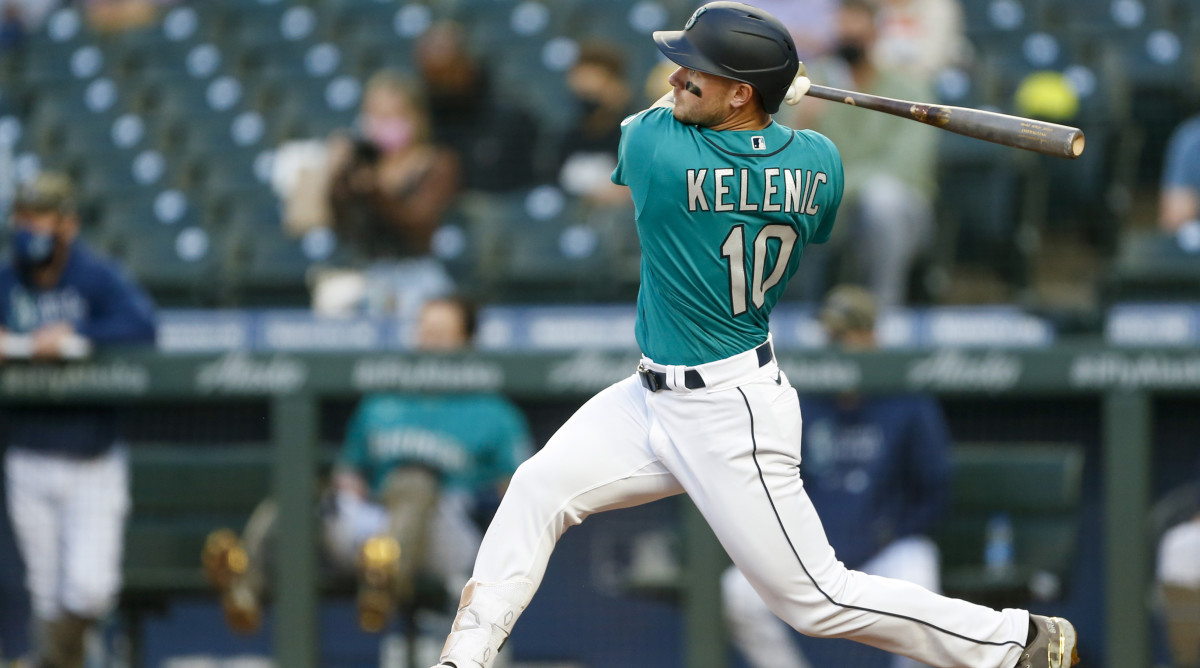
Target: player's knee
<point x="541" y="492"/>
<point x="91" y="599"/>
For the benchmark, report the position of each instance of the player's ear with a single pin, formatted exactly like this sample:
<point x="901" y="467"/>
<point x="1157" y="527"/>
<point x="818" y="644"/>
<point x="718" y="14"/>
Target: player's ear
<point x="743" y="94"/>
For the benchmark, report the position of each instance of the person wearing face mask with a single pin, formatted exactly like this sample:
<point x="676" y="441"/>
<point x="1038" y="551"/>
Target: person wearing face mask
<point x="495" y="138"/>
<point x="876" y="462"/>
<point x="389" y="189"/>
<point x="890" y="165"/>
<point x="587" y="153"/>
<point x="66" y="469"/>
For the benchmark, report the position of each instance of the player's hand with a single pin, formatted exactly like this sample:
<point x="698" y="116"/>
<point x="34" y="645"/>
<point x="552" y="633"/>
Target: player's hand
<point x="350" y="482"/>
<point x="50" y="341"/>
<point x="339" y="150"/>
<point x="799" y="87"/>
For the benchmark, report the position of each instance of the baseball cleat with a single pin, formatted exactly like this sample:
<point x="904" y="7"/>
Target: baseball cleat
<point x="224" y="558"/>
<point x="379" y="570"/>
<point x="1054" y="646"/>
<point x="243" y="614"/>
<point x="225" y="563"/>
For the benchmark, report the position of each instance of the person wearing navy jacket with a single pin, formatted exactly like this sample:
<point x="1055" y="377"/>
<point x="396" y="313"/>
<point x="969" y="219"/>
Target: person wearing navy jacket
<point x="66" y="467"/>
<point x="877" y="469"/>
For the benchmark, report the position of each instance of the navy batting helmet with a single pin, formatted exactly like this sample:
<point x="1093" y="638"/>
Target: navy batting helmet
<point x="737" y="41"/>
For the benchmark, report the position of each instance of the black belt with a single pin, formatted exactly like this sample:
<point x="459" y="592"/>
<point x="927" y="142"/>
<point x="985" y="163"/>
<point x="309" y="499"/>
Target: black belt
<point x="657" y="380"/>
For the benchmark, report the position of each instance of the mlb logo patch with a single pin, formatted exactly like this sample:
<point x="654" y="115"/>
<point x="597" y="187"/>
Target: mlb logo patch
<point x="758" y="143"/>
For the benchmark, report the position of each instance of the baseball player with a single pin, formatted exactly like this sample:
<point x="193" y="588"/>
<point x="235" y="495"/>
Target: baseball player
<point x="405" y="486"/>
<point x="877" y="470"/>
<point x="66" y="470"/>
<point x="726" y="200"/>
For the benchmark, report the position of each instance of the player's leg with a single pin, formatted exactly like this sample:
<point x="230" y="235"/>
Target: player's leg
<point x="389" y="562"/>
<point x="913" y="559"/>
<point x="35" y="516"/>
<point x="601" y="459"/>
<point x="736" y="452"/>
<point x="454" y="541"/>
<point x="95" y="506"/>
<point x="237" y="566"/>
<point x="761" y="637"/>
<point x="1179" y="585"/>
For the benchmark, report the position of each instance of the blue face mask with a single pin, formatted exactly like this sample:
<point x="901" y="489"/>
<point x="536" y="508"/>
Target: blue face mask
<point x="32" y="248"/>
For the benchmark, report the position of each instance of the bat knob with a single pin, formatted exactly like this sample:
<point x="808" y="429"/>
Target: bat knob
<point x="798" y="89"/>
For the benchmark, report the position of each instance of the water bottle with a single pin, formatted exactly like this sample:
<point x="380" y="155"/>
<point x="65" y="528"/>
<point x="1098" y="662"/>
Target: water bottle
<point x="998" y="545"/>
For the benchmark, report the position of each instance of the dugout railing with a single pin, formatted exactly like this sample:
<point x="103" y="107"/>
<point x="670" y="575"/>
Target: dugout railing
<point x="292" y="385"/>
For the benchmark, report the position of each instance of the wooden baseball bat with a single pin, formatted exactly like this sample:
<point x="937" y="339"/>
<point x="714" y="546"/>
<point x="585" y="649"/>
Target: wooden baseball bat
<point x="1049" y="138"/>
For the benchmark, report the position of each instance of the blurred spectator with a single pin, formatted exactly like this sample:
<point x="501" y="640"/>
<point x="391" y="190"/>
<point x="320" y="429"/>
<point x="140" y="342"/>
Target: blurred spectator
<point x="406" y="484"/>
<point x="877" y="470"/>
<point x="920" y="37"/>
<point x="12" y="27"/>
<point x="389" y="191"/>
<point x="587" y="153"/>
<point x="811" y="22"/>
<point x="1178" y="572"/>
<point x="26" y="16"/>
<point x="1179" y="204"/>
<point x="495" y="139"/>
<point x="886" y="220"/>
<point x="66" y="467"/>
<point x="112" y="16"/>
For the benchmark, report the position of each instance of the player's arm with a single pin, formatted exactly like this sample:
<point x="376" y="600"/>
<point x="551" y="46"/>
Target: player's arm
<point x="120" y="312"/>
<point x="1177" y="207"/>
<point x="347" y="480"/>
<point x="1179" y="201"/>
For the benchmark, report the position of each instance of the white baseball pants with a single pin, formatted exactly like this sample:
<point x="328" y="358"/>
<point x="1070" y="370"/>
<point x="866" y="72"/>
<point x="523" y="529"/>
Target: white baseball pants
<point x="68" y="516"/>
<point x="766" y="642"/>
<point x="734" y="447"/>
<point x="453" y="536"/>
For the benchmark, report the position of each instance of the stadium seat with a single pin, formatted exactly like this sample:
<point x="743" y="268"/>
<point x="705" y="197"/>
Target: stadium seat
<point x="177" y="265"/>
<point x="252" y="211"/>
<point x="1039" y="487"/>
<point x="61" y="61"/>
<point x="1152" y="267"/>
<point x="269" y="268"/>
<point x="174" y="509"/>
<point x="536" y="247"/>
<point x="234" y="173"/>
<point x="977" y="208"/>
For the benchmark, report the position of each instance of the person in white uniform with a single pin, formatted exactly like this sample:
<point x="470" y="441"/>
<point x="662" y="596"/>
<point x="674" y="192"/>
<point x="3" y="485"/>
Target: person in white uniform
<point x="726" y="201"/>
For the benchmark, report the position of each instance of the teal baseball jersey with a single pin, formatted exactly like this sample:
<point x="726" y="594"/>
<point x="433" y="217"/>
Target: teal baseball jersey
<point x="472" y="440"/>
<point x="723" y="217"/>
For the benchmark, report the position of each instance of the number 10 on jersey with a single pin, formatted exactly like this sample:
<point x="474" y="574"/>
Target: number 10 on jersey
<point x="734" y="252"/>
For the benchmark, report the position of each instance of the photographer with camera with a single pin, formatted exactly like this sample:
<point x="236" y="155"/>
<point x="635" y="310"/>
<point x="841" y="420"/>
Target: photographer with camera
<point x="389" y="188"/>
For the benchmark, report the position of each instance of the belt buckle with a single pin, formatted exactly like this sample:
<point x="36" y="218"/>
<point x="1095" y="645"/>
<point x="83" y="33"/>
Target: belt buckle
<point x="649" y="378"/>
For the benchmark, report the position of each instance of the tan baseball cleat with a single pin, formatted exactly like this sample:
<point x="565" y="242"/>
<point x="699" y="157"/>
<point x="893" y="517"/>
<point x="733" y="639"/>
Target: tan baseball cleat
<point x="378" y="571"/>
<point x="1054" y="646"/>
<point x="224" y="558"/>
<point x="225" y="564"/>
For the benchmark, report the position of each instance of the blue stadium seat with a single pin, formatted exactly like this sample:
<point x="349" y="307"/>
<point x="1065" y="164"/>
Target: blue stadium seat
<point x="150" y="210"/>
<point x="62" y="61"/>
<point x="269" y="268"/>
<point x="536" y="247"/>
<point x="177" y="265"/>
<point x="234" y="174"/>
